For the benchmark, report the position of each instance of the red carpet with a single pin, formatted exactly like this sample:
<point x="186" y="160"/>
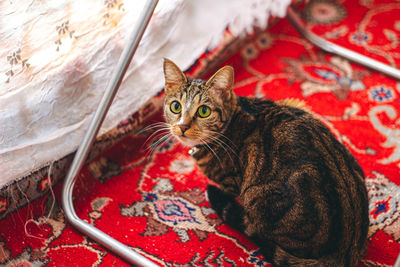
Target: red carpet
<point x="156" y="203"/>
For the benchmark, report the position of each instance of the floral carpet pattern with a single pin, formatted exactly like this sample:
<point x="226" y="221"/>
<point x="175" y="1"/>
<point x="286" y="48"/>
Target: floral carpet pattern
<point x="155" y="201"/>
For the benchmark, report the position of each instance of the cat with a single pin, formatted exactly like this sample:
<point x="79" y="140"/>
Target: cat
<point x="284" y="180"/>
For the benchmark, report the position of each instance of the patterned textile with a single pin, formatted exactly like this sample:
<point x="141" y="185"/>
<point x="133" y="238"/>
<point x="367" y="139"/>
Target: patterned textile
<point x="155" y="202"/>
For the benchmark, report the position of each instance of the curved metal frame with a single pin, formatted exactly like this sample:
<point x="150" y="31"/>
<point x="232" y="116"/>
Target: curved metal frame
<point x="108" y="242"/>
<point x="343" y="52"/>
<point x="105" y="103"/>
<point x="339" y="50"/>
<point x="397" y="263"/>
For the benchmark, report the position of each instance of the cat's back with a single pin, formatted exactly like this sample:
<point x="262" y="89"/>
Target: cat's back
<point x="276" y="111"/>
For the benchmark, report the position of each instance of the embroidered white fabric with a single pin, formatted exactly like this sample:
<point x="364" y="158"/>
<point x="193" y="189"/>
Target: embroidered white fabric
<point x="56" y="57"/>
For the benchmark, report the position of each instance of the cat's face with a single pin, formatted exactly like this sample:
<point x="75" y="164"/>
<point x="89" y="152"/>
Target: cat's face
<point x="197" y="111"/>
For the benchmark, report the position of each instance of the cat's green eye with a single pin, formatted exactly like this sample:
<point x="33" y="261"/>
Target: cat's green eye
<point x="204" y="111"/>
<point x="175" y="107"/>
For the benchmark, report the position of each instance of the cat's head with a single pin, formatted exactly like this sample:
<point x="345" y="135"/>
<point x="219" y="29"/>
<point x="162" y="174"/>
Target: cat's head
<point x="197" y="111"/>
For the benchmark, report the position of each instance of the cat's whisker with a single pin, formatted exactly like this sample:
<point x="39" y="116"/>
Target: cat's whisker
<point x="211" y="150"/>
<point x="224" y="145"/>
<point x="155" y="139"/>
<point x="159" y="129"/>
<point x="152" y="127"/>
<point x="228" y="142"/>
<point x="226" y="149"/>
<point x="221" y="142"/>
<point x="161" y="140"/>
<point x="156" y="133"/>
<point x="224" y="137"/>
<point x="162" y="127"/>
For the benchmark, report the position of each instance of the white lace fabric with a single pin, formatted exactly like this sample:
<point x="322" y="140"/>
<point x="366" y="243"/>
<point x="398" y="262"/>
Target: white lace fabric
<point x="57" y="56"/>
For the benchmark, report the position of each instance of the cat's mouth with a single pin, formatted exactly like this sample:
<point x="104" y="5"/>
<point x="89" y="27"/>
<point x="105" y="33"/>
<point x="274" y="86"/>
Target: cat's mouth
<point x="189" y="137"/>
<point x="188" y="140"/>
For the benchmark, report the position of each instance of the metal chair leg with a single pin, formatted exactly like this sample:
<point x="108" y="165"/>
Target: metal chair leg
<point x="397" y="263"/>
<point x="339" y="50"/>
<point x="343" y="52"/>
<point x="83" y="150"/>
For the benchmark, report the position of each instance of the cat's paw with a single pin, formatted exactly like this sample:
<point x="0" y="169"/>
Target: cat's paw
<point x="218" y="198"/>
<point x="212" y="191"/>
<point x="225" y="205"/>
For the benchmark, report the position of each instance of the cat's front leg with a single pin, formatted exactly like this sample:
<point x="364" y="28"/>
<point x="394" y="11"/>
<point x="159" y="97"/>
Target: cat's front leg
<point x="226" y="206"/>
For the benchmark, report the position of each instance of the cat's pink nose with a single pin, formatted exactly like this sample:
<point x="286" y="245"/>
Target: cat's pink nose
<point x="184" y="127"/>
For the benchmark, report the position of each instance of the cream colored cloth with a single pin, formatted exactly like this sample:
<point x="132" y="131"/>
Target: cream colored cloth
<point x="56" y="57"/>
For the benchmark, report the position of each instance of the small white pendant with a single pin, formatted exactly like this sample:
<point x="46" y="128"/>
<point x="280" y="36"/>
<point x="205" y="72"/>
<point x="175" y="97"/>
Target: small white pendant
<point x="192" y="151"/>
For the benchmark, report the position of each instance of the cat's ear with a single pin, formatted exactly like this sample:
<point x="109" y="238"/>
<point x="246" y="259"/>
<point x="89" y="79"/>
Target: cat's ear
<point x="221" y="82"/>
<point x="174" y="77"/>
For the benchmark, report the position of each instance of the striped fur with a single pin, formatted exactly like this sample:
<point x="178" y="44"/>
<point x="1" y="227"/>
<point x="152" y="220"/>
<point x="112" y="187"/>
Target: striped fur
<point x="285" y="181"/>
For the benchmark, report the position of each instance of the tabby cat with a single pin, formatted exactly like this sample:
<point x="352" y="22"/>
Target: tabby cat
<point x="284" y="180"/>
